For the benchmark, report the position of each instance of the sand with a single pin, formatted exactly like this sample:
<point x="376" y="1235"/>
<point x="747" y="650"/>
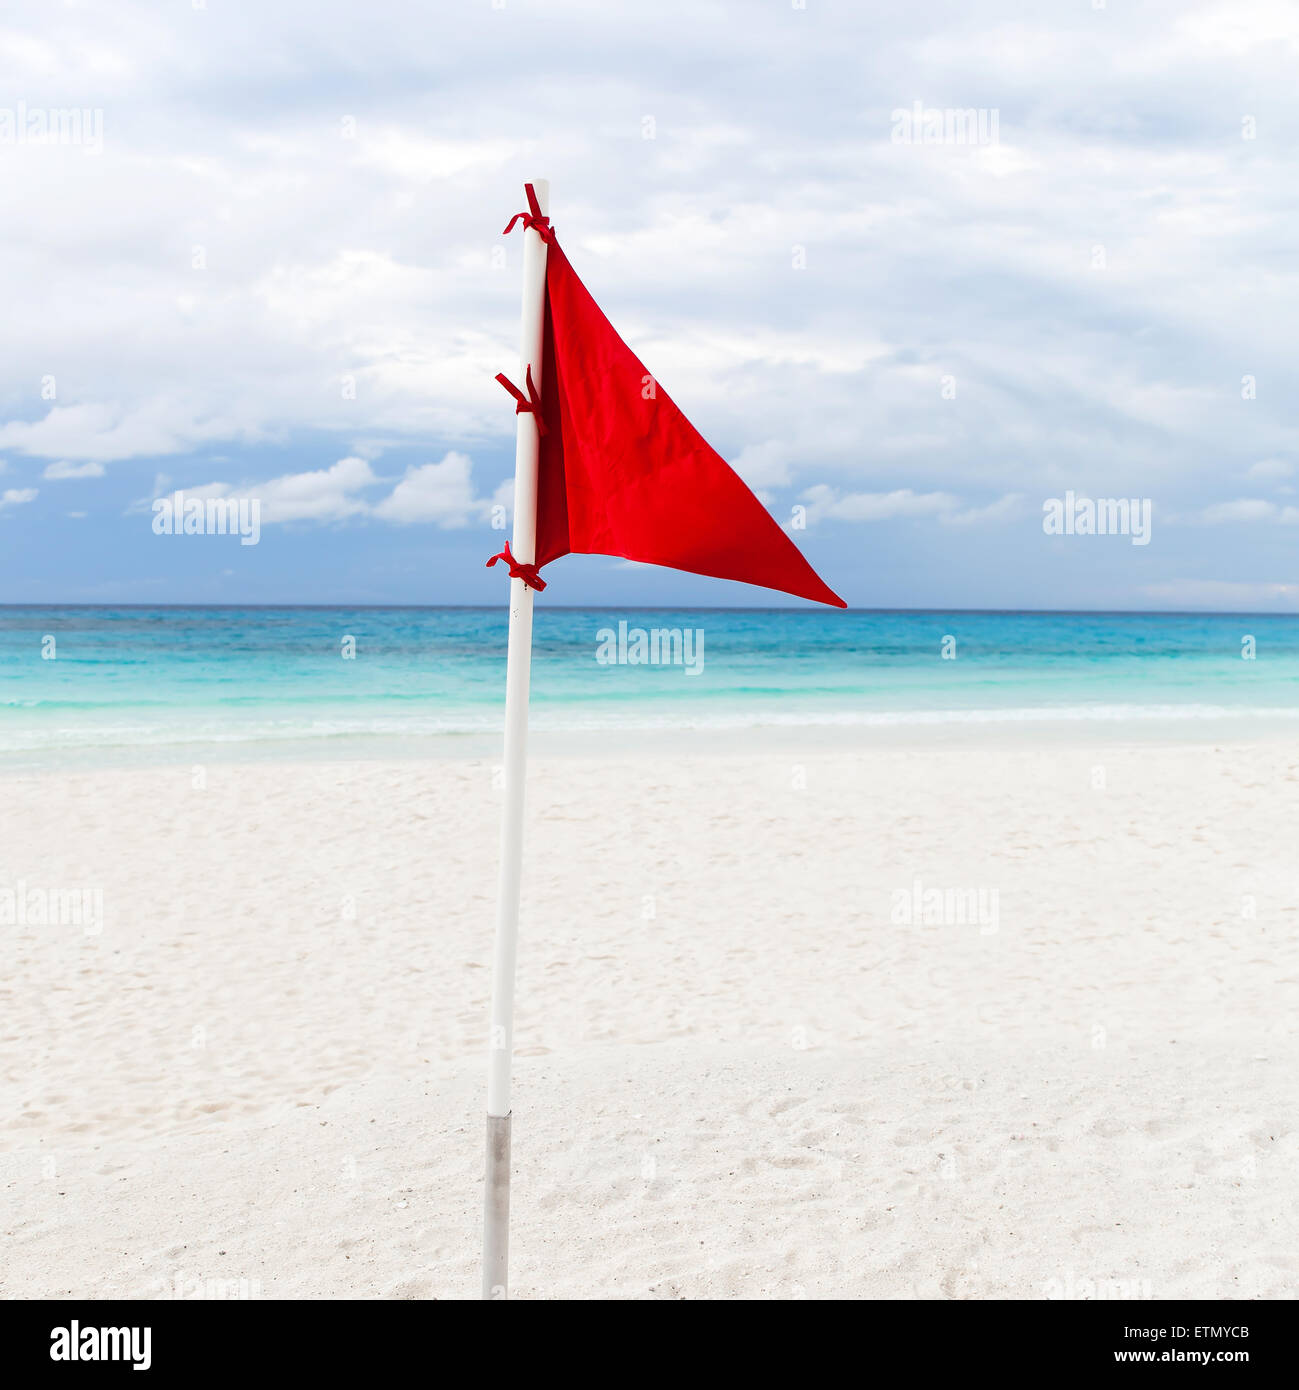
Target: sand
<point x="740" y="1070"/>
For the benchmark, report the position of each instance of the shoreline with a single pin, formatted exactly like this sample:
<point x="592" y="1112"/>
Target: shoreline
<point x="679" y="741"/>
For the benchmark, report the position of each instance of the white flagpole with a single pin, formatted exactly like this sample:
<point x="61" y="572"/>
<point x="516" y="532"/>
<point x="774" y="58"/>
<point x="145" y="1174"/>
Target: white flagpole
<point x="496" y="1224"/>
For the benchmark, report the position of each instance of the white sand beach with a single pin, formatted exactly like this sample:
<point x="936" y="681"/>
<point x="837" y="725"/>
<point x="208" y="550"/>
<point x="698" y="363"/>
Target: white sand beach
<point x="737" y="1075"/>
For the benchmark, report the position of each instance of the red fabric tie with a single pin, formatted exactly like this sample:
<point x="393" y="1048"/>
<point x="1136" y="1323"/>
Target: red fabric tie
<point x="528" y="573"/>
<point x="529" y="404"/>
<point x="532" y="218"/>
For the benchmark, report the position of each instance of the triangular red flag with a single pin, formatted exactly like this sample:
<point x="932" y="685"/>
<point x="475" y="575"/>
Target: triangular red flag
<point x="623" y="472"/>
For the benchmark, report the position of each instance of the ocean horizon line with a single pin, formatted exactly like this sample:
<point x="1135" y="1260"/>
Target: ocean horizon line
<point x="658" y="608"/>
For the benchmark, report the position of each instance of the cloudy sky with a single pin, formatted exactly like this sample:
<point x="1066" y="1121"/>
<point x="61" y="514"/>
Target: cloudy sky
<point x="269" y="262"/>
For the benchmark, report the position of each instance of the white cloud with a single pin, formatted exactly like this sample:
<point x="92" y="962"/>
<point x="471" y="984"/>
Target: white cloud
<point x="1235" y="30"/>
<point x="1223" y="593"/>
<point x="412" y="157"/>
<point x="65" y="469"/>
<point x="16" y="496"/>
<point x="1248" y="509"/>
<point x="371" y="257"/>
<point x="764" y="465"/>
<point x="97" y="430"/>
<point x="1007" y="508"/>
<point x="378" y="260"/>
<point x="323" y="495"/>
<point x="442" y="493"/>
<point x="824" y="503"/>
<point x="1270" y="468"/>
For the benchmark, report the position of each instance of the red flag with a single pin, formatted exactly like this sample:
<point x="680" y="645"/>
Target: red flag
<point x="623" y="472"/>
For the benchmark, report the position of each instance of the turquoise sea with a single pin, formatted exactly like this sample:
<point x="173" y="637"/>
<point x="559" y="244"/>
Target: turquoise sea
<point x="134" y="682"/>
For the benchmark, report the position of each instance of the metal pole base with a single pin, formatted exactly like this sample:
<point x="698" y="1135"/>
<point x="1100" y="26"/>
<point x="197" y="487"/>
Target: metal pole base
<point x="496" y="1217"/>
